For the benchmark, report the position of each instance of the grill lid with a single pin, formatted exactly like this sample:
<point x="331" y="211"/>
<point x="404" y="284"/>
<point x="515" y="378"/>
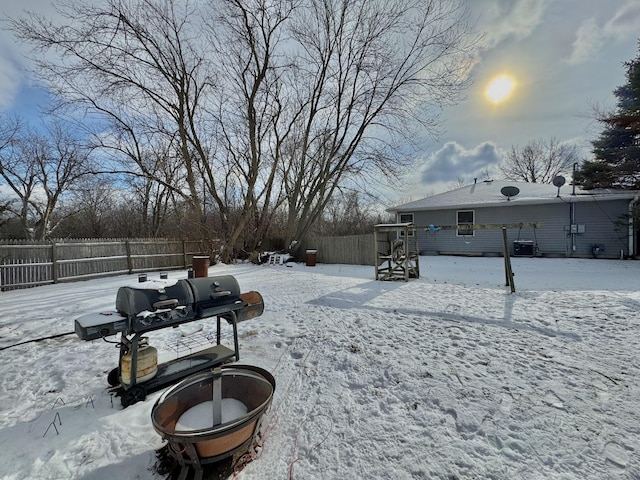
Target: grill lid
<point x="153" y="296"/>
<point x="156" y="304"/>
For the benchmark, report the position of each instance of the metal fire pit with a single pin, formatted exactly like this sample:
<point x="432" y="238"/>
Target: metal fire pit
<point x="200" y="445"/>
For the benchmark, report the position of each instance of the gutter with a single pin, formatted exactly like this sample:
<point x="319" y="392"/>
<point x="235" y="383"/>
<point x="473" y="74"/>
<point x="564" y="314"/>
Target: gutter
<point x="578" y="198"/>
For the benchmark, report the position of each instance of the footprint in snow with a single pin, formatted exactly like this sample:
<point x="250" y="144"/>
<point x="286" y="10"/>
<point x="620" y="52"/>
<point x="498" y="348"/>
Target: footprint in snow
<point x="553" y="400"/>
<point x="602" y="391"/>
<point x="616" y="456"/>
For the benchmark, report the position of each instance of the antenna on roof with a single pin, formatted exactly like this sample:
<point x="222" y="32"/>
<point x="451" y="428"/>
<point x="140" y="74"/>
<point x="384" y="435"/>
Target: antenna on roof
<point x="558" y="181"/>
<point x="509" y="191"/>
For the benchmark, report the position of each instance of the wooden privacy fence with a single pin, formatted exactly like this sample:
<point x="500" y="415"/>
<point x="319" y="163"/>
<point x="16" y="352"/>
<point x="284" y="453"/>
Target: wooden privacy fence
<point x="350" y="250"/>
<point x="27" y="265"/>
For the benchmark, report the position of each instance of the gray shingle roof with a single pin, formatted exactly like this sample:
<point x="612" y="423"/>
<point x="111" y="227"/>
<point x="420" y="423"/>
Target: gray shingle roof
<point x="487" y="194"/>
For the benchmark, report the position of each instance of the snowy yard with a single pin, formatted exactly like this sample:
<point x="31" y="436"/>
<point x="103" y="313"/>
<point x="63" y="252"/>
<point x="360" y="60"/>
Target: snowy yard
<point x="448" y="376"/>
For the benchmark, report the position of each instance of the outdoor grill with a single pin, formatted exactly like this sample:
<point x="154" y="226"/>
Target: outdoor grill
<point x="160" y="303"/>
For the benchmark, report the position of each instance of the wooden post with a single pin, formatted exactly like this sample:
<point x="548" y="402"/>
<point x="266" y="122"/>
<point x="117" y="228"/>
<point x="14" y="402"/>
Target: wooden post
<point x="184" y="253"/>
<point x="129" y="260"/>
<point x="54" y="262"/>
<point x="507" y="262"/>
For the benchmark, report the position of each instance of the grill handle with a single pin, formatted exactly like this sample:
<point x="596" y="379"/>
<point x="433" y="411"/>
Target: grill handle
<point x="224" y="293"/>
<point x="166" y="303"/>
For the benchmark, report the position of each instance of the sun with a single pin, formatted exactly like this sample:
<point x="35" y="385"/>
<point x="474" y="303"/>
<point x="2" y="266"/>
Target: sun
<point x="500" y="88"/>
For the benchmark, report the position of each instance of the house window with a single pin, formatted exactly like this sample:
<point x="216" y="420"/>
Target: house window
<point x="465" y="220"/>
<point x="406" y="218"/>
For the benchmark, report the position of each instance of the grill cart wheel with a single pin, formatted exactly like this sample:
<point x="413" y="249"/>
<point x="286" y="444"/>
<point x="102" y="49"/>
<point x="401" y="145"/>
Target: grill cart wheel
<point x="133" y="395"/>
<point x="113" y="378"/>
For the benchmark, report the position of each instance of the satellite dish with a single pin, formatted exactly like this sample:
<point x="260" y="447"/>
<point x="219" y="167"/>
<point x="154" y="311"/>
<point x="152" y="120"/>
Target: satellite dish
<point x="558" y="181"/>
<point x="509" y="191"/>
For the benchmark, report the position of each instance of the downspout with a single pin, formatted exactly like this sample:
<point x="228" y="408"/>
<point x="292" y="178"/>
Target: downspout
<point x="632" y="230"/>
<point x="572" y="227"/>
<point x="572" y="211"/>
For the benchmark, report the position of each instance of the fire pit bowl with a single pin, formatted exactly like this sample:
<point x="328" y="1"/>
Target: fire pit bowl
<point x="212" y="415"/>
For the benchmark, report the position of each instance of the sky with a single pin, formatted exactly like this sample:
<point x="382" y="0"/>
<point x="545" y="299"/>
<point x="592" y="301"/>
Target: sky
<point x="446" y="376"/>
<point x="564" y="57"/>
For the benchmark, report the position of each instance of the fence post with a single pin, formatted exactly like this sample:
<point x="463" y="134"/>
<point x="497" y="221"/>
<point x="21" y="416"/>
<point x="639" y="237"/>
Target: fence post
<point x="184" y="253"/>
<point x="129" y="260"/>
<point x="54" y="262"/>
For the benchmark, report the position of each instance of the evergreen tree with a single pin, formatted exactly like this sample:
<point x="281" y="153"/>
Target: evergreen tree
<point x="617" y="149"/>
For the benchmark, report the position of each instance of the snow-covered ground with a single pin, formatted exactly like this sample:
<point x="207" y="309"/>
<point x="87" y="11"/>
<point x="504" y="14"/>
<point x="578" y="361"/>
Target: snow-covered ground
<point x="449" y="376"/>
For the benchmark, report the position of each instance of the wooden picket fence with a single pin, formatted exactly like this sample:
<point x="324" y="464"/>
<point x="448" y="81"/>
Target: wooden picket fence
<point x="24" y="265"/>
<point x="29" y="264"/>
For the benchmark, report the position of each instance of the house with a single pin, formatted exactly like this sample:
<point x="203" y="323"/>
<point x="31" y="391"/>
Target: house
<point x="540" y="219"/>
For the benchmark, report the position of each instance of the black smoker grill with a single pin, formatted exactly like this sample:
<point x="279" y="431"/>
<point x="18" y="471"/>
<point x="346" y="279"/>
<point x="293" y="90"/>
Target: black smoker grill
<point x="155" y="304"/>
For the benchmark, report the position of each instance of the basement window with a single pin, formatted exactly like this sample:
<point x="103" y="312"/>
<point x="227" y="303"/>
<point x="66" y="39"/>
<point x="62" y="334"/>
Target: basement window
<point x="465" y="221"/>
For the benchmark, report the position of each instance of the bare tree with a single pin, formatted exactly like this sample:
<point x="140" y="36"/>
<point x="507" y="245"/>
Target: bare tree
<point x="40" y="168"/>
<point x="254" y="113"/>
<point x="539" y="161"/>
<point x="459" y="183"/>
<point x="9" y="130"/>
<point x="366" y="72"/>
<point x="88" y="213"/>
<point x="267" y="103"/>
<point x="138" y="65"/>
<point x="349" y="213"/>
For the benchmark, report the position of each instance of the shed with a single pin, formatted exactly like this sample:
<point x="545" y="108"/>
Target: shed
<point x="542" y="220"/>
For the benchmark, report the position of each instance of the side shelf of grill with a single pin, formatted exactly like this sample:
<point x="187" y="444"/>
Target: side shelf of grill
<point x="98" y="325"/>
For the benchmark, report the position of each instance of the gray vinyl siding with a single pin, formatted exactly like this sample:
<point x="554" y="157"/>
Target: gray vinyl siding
<point x="602" y="221"/>
<point x="605" y="223"/>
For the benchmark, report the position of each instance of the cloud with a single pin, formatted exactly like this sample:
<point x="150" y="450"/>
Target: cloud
<point x="591" y="37"/>
<point x="10" y="79"/>
<point x="624" y="22"/>
<point x="501" y="20"/>
<point x="453" y="162"/>
<point x="14" y="64"/>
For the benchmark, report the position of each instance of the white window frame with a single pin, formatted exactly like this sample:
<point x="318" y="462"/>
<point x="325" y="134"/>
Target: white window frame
<point x="401" y="220"/>
<point x="463" y="229"/>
